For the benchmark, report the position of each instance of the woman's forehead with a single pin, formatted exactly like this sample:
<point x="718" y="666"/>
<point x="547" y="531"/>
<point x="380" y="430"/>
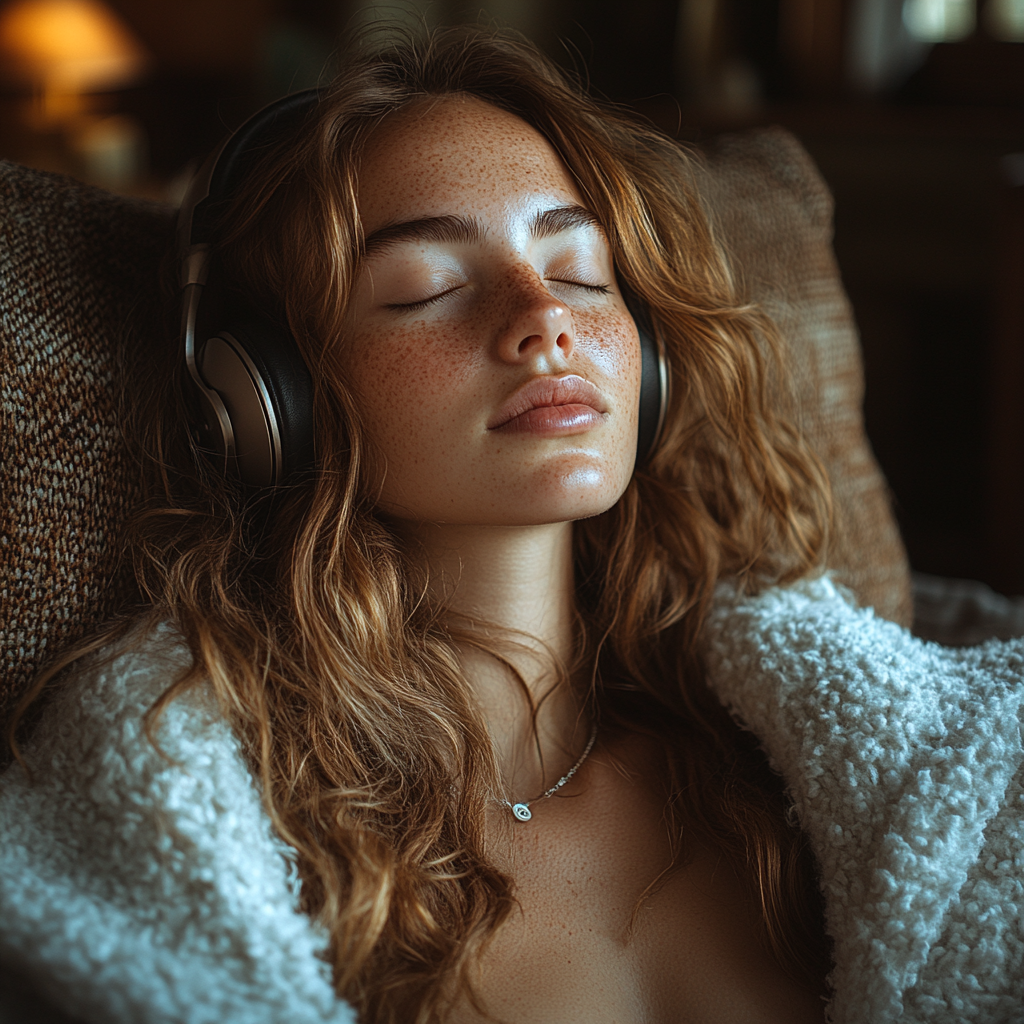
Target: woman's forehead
<point x="456" y="154"/>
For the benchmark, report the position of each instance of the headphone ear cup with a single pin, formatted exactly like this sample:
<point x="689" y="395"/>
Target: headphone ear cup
<point x="266" y="388"/>
<point x="653" y="386"/>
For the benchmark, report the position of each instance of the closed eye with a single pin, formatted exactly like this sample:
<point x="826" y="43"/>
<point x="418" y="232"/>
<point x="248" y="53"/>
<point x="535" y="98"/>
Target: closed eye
<point x="601" y="289"/>
<point x="422" y="303"/>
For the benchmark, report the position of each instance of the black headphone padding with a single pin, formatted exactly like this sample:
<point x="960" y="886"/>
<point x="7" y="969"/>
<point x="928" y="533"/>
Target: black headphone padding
<point x="286" y="378"/>
<point x="653" y="381"/>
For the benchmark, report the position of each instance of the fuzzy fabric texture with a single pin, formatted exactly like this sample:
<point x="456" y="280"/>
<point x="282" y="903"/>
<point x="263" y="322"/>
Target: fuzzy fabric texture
<point x="139" y="889"/>
<point x="904" y="761"/>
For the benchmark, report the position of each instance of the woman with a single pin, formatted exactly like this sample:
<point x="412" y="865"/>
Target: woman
<point x="454" y="676"/>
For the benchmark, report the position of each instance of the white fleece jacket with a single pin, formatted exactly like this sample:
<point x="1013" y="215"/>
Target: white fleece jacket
<point x="138" y="890"/>
<point x="904" y="761"/>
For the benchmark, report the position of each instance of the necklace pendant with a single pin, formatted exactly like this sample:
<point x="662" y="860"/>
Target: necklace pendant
<point x="522" y="812"/>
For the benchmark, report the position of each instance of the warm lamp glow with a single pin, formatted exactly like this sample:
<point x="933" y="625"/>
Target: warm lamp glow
<point x="71" y="46"/>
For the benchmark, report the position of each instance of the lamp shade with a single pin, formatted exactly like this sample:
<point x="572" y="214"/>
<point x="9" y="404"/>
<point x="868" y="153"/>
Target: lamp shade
<point x="73" y="45"/>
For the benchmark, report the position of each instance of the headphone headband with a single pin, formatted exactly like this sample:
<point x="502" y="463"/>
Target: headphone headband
<point x="223" y="171"/>
<point x="253" y="392"/>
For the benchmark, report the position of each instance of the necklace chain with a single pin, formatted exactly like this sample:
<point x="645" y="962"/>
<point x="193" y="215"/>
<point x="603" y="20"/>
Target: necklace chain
<point x="522" y="812"/>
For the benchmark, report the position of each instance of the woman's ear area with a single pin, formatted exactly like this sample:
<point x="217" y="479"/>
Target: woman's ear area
<point x="654" y="373"/>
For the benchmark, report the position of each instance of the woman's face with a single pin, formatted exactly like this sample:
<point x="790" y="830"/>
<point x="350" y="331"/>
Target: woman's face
<point x="495" y="364"/>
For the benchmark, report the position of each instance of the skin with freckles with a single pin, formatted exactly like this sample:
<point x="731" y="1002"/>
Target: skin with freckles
<point x="444" y="330"/>
<point x="496" y="370"/>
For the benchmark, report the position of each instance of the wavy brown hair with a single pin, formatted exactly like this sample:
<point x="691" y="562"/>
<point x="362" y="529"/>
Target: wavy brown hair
<point x="342" y="680"/>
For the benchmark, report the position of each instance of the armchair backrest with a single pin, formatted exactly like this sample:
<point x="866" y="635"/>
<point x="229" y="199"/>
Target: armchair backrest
<point x="73" y="262"/>
<point x="775" y="216"/>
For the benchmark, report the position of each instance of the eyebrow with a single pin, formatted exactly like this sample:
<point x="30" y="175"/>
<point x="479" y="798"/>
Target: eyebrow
<point x="427" y="229"/>
<point x="562" y="218"/>
<point x="456" y="229"/>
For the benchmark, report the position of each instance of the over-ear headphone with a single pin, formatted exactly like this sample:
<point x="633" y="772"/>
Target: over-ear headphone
<point x="654" y="383"/>
<point x="252" y="391"/>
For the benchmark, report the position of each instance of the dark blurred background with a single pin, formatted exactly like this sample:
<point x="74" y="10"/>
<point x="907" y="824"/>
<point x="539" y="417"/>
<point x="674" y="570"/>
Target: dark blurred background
<point x="913" y="110"/>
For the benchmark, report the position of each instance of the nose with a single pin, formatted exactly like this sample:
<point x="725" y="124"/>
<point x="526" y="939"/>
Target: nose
<point x="538" y="328"/>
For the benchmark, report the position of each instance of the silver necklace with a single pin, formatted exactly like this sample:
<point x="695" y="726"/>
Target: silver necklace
<point x="522" y="812"/>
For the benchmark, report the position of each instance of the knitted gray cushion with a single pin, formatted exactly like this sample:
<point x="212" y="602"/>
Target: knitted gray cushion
<point x="73" y="261"/>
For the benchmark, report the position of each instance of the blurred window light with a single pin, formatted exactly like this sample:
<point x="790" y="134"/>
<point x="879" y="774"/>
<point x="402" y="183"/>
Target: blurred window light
<point x="881" y="54"/>
<point x="1004" y="19"/>
<point x="112" y="150"/>
<point x="939" y="21"/>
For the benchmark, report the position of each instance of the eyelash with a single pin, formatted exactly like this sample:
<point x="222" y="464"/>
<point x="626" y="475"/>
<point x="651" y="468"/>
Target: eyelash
<point x="601" y="289"/>
<point x="412" y="307"/>
<point x="422" y="304"/>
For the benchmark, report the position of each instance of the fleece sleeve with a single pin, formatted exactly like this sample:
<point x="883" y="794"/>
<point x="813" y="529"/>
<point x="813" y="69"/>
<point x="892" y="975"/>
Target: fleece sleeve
<point x="140" y="885"/>
<point x="903" y="761"/>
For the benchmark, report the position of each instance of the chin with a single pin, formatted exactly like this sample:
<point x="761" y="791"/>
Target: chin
<point x="559" y="491"/>
<point x="580" y="493"/>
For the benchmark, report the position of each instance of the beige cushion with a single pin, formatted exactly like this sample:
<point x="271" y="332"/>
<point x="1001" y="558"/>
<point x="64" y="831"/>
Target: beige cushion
<point x="774" y="213"/>
<point x="73" y="260"/>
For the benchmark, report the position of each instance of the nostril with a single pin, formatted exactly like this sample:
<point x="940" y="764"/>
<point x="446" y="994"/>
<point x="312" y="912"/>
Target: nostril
<point x="562" y="341"/>
<point x="539" y="330"/>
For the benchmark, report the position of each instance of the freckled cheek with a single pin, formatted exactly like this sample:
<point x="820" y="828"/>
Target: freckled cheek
<point x="611" y="344"/>
<point x="408" y="380"/>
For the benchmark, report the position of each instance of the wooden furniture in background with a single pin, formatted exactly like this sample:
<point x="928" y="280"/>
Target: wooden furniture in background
<point x="1005" y="521"/>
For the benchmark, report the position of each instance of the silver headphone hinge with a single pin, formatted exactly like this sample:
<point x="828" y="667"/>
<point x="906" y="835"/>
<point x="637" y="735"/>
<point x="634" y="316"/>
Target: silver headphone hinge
<point x="220" y="435"/>
<point x="195" y="265"/>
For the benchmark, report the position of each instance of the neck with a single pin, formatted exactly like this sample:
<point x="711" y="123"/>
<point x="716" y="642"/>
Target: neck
<point x="510" y="590"/>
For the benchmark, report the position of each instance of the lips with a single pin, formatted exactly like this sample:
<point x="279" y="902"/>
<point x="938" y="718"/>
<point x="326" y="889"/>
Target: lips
<point x="551" y="405"/>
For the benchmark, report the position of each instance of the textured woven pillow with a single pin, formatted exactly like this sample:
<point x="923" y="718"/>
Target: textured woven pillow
<point x="774" y="214"/>
<point x="73" y="261"/>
